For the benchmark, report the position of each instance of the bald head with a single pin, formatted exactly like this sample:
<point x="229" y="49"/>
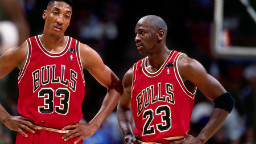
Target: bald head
<point x="154" y="21"/>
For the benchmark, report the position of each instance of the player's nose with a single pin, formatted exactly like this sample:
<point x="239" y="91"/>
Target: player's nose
<point x="137" y="38"/>
<point x="60" y="19"/>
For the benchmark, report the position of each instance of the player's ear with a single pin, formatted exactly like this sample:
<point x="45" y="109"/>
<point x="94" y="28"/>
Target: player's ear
<point x="160" y="35"/>
<point x="44" y="14"/>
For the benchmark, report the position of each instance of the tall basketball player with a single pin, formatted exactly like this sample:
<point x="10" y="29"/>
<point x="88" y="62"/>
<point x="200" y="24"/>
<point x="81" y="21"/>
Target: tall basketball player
<point x="51" y="83"/>
<point x="159" y="91"/>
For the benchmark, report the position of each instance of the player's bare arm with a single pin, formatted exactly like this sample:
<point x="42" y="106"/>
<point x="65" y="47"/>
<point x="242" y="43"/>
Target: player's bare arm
<point x="103" y="74"/>
<point x="124" y="113"/>
<point x="192" y="71"/>
<point x="10" y="59"/>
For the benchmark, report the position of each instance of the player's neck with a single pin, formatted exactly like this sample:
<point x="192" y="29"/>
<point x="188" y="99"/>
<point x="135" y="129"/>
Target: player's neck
<point x="156" y="60"/>
<point x="53" y="44"/>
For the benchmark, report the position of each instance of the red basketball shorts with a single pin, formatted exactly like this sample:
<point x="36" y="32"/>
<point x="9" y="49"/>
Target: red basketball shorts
<point x="44" y="137"/>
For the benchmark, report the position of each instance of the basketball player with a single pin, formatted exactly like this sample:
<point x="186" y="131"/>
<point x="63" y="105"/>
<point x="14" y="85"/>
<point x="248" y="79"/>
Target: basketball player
<point x="51" y="83"/>
<point x="159" y="91"/>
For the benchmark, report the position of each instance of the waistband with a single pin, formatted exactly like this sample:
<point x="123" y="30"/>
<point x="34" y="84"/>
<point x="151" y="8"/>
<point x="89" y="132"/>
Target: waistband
<point x="51" y="129"/>
<point x="167" y="139"/>
<point x="174" y="138"/>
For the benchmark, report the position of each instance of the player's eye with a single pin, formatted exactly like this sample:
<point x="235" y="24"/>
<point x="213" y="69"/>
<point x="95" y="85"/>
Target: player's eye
<point x="142" y="32"/>
<point x="55" y="12"/>
<point x="67" y="16"/>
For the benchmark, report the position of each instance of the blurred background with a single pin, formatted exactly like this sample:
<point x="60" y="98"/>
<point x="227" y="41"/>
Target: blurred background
<point x="195" y="27"/>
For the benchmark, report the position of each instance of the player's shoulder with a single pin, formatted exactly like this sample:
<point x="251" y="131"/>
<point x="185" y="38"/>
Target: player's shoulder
<point x="20" y="50"/>
<point x="85" y="48"/>
<point x="129" y="72"/>
<point x="127" y="78"/>
<point x="17" y="54"/>
<point x="189" y="67"/>
<point x="89" y="57"/>
<point x="186" y="61"/>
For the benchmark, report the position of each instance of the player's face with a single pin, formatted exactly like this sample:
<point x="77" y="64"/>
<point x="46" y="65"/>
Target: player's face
<point x="57" y="18"/>
<point x="145" y="38"/>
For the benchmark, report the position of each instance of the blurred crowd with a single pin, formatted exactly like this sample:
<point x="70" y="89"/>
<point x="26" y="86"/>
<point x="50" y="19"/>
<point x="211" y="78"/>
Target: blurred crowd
<point x="108" y="27"/>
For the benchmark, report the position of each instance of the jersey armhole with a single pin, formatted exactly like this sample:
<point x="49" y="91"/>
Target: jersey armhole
<point x="22" y="71"/>
<point x="133" y="75"/>
<point x="179" y="79"/>
<point x="79" y="59"/>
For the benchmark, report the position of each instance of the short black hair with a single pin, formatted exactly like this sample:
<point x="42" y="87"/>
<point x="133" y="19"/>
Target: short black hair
<point x="69" y="2"/>
<point x="157" y="22"/>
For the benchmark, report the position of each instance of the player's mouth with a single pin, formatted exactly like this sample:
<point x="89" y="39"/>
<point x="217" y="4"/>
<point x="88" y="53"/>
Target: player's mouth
<point x="139" y="46"/>
<point x="57" y="28"/>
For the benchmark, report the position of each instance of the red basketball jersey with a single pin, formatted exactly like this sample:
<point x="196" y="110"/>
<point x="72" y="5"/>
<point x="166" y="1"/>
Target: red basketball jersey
<point x="51" y="85"/>
<point x="161" y="104"/>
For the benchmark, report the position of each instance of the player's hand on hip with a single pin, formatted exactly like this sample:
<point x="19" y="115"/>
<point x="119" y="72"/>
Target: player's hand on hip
<point x="131" y="139"/>
<point x="81" y="130"/>
<point x="19" y="124"/>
